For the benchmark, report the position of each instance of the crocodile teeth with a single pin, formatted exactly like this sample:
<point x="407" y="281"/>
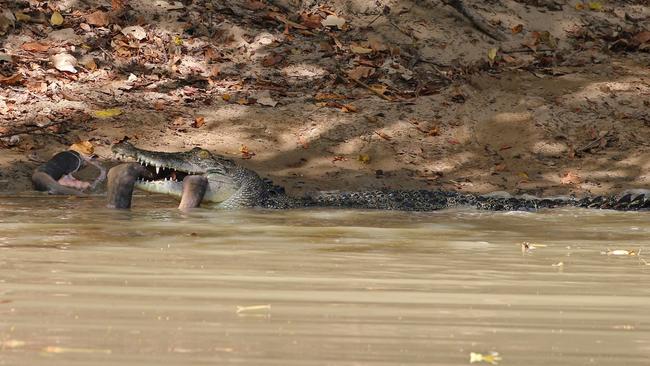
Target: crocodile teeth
<point x="157" y="169"/>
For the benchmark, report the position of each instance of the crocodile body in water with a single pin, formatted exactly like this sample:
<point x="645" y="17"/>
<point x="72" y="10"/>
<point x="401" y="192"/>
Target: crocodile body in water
<point x="201" y="177"/>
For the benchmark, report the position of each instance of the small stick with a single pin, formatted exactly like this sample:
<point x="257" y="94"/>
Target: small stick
<point x="475" y="19"/>
<point x="364" y="85"/>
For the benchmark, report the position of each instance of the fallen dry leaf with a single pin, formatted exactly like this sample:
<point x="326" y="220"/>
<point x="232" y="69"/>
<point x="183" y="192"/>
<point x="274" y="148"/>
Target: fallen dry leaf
<point x="35" y="46"/>
<point x="118" y="5"/>
<point x="135" y="31"/>
<point x="98" y="18"/>
<point x="245" y="152"/>
<point x="517" y="28"/>
<point x="56" y="18"/>
<point x="272" y="59"/>
<point x="361" y="72"/>
<point x="376" y="43"/>
<point x="492" y="55"/>
<point x="378" y="88"/>
<point x="22" y="17"/>
<point x="14" y="79"/>
<point x="198" y="122"/>
<point x="264" y="98"/>
<point x="107" y="113"/>
<point x="570" y="178"/>
<point x="312" y="21"/>
<point x="364" y="158"/>
<point x="333" y="21"/>
<point x="326" y="96"/>
<point x="253" y="5"/>
<point x="360" y="50"/>
<point x="642" y="37"/>
<point x="64" y="62"/>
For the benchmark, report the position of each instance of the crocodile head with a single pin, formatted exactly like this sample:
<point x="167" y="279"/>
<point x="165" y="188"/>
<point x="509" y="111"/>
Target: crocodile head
<point x="168" y="169"/>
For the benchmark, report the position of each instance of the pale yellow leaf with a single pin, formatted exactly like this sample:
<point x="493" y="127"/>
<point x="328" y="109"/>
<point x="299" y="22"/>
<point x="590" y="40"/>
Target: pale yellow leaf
<point x="107" y="113"/>
<point x="360" y="50"/>
<point x="56" y="18"/>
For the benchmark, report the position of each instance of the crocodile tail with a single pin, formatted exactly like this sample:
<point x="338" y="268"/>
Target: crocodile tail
<point x="630" y="201"/>
<point x="424" y="200"/>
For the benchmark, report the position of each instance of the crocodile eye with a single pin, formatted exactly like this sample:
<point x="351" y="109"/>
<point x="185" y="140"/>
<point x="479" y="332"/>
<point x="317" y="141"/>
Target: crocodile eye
<point x="204" y="154"/>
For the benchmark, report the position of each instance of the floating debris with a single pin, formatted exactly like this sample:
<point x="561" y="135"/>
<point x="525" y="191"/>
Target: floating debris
<point x="558" y="264"/>
<point x="529" y="247"/>
<point x="54" y="349"/>
<point x="620" y="252"/>
<point x="493" y="358"/>
<point x="241" y="309"/>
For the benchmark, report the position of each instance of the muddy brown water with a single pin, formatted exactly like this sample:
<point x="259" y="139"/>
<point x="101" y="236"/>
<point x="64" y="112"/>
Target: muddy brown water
<point x="83" y="285"/>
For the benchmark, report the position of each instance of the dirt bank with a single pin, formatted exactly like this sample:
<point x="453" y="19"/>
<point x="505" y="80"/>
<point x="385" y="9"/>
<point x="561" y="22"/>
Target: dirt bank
<point x="561" y="106"/>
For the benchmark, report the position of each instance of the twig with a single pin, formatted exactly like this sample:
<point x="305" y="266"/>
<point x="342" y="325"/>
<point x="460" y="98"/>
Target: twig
<point x="364" y="85"/>
<point x="477" y="20"/>
<point x="32" y="129"/>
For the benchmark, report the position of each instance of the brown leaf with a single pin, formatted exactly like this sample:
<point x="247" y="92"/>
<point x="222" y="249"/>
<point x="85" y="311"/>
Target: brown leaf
<point x="517" y="28"/>
<point x="312" y="21"/>
<point x="570" y="178"/>
<point x="118" y="5"/>
<point x="349" y="108"/>
<point x="14" y="79"/>
<point x="361" y="72"/>
<point x="500" y="167"/>
<point x="159" y="105"/>
<point x="198" y="122"/>
<point x="326" y="96"/>
<point x="35" y="46"/>
<point x="98" y="18"/>
<point x="376" y="43"/>
<point x="253" y="5"/>
<point x="245" y="152"/>
<point x="642" y="37"/>
<point x="272" y="59"/>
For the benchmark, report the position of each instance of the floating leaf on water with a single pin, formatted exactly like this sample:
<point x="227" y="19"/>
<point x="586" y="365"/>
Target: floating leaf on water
<point x="64" y="62"/>
<point x="55" y="349"/>
<point x="620" y="252"/>
<point x="333" y="21"/>
<point x="107" y="113"/>
<point x="493" y="358"/>
<point x="56" y="18"/>
<point x="12" y="343"/>
<point x="558" y="264"/>
<point x="242" y="309"/>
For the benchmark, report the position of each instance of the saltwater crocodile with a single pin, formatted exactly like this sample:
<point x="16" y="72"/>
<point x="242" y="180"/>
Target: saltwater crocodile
<point x="199" y="177"/>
